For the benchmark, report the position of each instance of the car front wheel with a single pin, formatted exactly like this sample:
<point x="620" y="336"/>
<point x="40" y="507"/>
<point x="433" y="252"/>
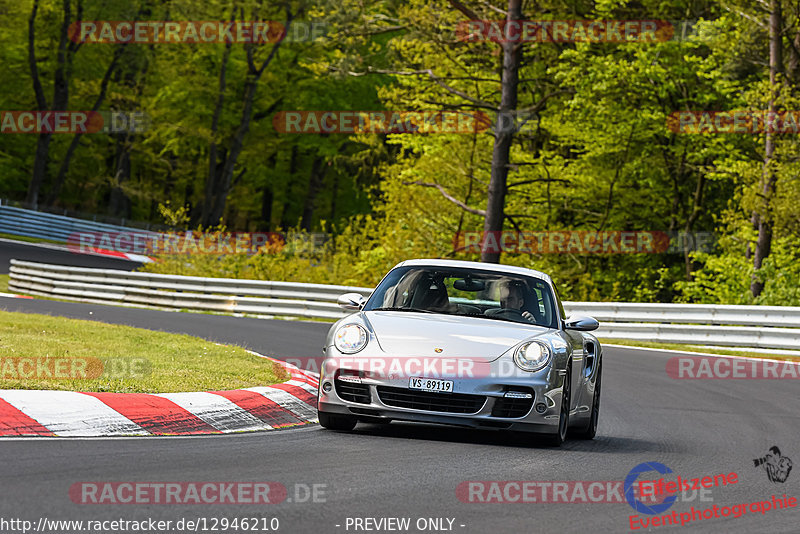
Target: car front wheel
<point x="591" y="430"/>
<point x="336" y="421"/>
<point x="557" y="439"/>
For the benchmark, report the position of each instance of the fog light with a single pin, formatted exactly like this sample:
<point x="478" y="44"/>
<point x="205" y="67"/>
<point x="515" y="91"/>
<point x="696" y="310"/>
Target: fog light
<point x="326" y="387"/>
<point x="517" y="395"/>
<point x="541" y="407"/>
<point x="349" y="378"/>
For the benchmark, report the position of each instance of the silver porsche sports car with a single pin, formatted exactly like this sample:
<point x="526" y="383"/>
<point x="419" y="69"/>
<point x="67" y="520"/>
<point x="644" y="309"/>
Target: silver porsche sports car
<point x="463" y="343"/>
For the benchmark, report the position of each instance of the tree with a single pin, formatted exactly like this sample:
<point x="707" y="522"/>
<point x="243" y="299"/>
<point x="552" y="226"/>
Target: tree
<point x="61" y="80"/>
<point x="220" y="173"/>
<point x="762" y="219"/>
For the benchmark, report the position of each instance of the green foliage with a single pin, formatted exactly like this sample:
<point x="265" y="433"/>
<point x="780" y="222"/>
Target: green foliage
<point x="593" y="151"/>
<point x="176" y="218"/>
<point x="721" y="279"/>
<point x="360" y="254"/>
<point x="726" y="278"/>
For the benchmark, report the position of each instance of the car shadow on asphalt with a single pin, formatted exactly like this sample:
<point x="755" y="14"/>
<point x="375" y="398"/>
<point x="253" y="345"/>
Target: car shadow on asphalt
<point x="453" y="434"/>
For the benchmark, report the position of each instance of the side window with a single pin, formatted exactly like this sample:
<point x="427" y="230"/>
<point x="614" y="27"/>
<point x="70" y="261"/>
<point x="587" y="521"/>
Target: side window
<point x="540" y="301"/>
<point x="541" y="304"/>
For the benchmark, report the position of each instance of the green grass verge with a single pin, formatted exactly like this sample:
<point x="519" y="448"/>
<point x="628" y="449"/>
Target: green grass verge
<point x="78" y="355"/>
<point x="4" y="283"/>
<point x="693" y="348"/>
<point x="27" y="239"/>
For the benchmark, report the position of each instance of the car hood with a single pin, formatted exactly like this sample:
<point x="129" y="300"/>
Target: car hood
<point x="419" y="334"/>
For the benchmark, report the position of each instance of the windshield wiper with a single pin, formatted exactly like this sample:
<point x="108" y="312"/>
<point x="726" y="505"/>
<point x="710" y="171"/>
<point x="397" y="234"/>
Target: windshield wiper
<point x="402" y="309"/>
<point x="496" y="318"/>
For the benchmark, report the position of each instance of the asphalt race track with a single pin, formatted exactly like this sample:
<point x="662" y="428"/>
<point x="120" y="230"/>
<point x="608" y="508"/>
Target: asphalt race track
<point x="696" y="428"/>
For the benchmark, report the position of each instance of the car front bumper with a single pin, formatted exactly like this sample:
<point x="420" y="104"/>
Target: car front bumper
<point x="488" y="397"/>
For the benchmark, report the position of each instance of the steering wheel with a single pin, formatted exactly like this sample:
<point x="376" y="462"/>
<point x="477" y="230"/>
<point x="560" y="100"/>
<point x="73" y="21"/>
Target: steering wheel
<point x="507" y="313"/>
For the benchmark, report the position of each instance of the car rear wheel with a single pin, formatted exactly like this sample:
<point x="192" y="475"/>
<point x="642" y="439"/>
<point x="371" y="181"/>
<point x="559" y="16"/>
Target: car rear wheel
<point x="336" y="421"/>
<point x="557" y="439"/>
<point x="591" y="430"/>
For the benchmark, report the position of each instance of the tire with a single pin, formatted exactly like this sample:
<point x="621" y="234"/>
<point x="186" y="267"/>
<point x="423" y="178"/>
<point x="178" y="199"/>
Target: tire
<point x="336" y="421"/>
<point x="558" y="439"/>
<point x="591" y="430"/>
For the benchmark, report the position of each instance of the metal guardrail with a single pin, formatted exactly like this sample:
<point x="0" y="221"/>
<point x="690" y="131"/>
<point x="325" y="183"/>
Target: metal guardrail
<point x="708" y="314"/>
<point x="734" y="326"/>
<point x="128" y="223"/>
<point x="29" y="223"/>
<point x="109" y="286"/>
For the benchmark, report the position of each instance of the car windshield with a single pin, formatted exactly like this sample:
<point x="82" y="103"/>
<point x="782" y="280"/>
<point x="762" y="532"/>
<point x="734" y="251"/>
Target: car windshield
<point x="467" y="292"/>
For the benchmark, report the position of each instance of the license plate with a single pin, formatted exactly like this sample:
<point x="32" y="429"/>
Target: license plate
<point x="430" y="384"/>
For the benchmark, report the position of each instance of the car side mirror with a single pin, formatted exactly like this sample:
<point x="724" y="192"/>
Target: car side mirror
<point x="584" y="324"/>
<point x="351" y="301"/>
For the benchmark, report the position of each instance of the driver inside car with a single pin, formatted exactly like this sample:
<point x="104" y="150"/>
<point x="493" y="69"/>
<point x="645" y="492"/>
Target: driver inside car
<point x="512" y="301"/>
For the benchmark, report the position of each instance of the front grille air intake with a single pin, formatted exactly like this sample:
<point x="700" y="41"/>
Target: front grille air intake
<point x="431" y="402"/>
<point x="516" y="403"/>
<point x="352" y="391"/>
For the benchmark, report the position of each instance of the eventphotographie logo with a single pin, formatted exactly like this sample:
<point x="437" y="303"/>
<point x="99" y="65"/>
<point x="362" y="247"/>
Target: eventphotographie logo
<point x="776" y="465"/>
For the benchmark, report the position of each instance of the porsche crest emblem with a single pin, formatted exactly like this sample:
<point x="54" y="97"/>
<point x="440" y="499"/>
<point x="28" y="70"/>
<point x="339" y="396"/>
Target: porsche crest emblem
<point x="436" y="350"/>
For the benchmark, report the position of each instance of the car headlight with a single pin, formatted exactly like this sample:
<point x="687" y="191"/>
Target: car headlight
<point x="532" y="356"/>
<point x="350" y="338"/>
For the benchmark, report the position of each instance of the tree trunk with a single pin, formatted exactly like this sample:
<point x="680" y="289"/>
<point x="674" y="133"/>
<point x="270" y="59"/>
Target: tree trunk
<point x="285" y="223"/>
<point x="237" y="142"/>
<point x="763" y="217"/>
<point x="55" y="191"/>
<point x="267" y="197"/>
<point x="793" y="69"/>
<point x="504" y="135"/>
<point x="213" y="167"/>
<point x="697" y="208"/>
<point x="318" y="171"/>
<point x="43" y="141"/>
<point x="254" y="73"/>
<point x="334" y="196"/>
<point x="39" y="170"/>
<point x="62" y="73"/>
<point x="119" y="204"/>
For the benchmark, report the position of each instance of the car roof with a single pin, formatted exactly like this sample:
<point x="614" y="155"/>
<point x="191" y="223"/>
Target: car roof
<point x="495" y="267"/>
